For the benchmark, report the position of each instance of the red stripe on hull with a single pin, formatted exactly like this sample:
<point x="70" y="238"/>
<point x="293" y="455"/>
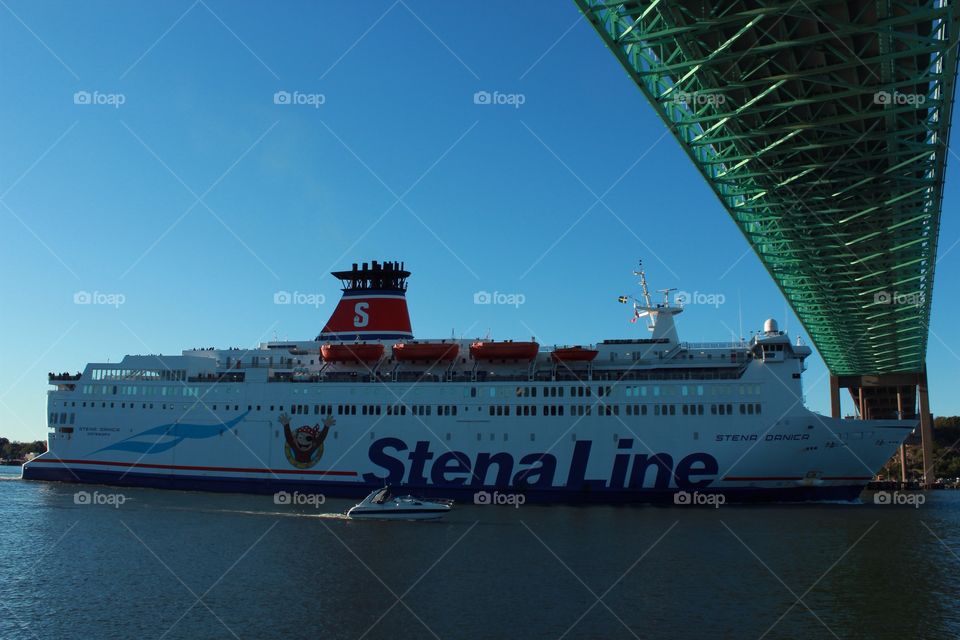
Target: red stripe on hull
<point x="145" y="465"/>
<point x="771" y="478"/>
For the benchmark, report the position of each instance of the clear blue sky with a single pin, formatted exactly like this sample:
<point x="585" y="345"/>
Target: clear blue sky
<point x="98" y="198"/>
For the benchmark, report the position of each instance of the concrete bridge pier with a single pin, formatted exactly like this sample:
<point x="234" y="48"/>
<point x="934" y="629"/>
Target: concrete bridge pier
<point x="902" y="396"/>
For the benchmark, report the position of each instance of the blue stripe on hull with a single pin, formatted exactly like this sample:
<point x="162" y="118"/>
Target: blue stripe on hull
<point x="462" y="494"/>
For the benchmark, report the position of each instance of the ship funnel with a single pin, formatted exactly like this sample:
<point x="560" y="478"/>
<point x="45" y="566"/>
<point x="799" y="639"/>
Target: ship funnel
<point x="373" y="306"/>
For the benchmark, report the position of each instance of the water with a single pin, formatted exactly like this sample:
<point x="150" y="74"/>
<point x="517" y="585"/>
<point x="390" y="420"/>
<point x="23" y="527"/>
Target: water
<point x="192" y="565"/>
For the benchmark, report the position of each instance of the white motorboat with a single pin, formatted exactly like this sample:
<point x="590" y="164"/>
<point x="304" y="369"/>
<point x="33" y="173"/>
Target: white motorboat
<point x="383" y="505"/>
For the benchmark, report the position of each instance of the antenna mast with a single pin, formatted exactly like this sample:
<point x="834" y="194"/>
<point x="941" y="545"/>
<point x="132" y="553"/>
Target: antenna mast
<point x="643" y="283"/>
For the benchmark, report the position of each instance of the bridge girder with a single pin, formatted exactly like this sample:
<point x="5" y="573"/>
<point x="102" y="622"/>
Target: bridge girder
<point x="822" y="127"/>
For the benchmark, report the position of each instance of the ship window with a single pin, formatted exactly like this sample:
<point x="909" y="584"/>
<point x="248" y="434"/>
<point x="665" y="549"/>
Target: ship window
<point x="479" y="437"/>
<point x="757" y="408"/>
<point x="750" y="409"/>
<point x="729" y="409"/>
<point x="713" y="409"/>
<point x="448" y="436"/>
<point x="643" y="409"/>
<point x="673" y="409"/>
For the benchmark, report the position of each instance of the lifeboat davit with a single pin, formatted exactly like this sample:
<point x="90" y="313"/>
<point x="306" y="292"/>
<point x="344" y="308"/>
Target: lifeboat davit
<point x="428" y="351"/>
<point x="573" y="354"/>
<point x="358" y="352"/>
<point x="508" y="350"/>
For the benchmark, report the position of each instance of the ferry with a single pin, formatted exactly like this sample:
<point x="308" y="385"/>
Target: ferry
<point x="366" y="404"/>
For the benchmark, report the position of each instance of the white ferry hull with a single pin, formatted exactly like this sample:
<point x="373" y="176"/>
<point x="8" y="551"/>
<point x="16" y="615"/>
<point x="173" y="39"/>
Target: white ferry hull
<point x="545" y="458"/>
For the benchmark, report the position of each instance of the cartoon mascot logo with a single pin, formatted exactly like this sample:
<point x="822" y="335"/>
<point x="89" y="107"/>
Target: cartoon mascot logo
<point x="304" y="447"/>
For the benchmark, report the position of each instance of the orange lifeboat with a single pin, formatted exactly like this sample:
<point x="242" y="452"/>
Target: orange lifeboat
<point x="429" y="351"/>
<point x="358" y="352"/>
<point x="508" y="350"/>
<point x="573" y="354"/>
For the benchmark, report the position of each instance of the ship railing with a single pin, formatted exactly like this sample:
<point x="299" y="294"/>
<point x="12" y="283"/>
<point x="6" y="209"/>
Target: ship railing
<point x="64" y="376"/>
<point x="731" y="371"/>
<point x="715" y="345"/>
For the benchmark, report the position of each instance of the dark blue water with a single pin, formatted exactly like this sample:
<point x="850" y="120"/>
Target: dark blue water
<point x="193" y="565"/>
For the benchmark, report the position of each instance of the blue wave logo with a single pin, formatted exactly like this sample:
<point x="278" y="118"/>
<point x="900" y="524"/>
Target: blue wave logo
<point x="167" y="436"/>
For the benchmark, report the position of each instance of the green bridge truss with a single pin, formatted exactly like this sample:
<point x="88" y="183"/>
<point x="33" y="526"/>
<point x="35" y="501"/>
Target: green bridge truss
<point x="823" y="129"/>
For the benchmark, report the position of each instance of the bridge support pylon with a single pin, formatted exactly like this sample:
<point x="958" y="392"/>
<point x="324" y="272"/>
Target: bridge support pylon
<point x="902" y="396"/>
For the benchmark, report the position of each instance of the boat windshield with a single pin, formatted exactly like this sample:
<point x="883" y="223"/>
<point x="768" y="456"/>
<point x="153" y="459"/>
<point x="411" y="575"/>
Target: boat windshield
<point x="381" y="496"/>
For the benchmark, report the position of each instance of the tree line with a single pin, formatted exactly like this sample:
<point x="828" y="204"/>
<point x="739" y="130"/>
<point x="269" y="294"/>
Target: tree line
<point x="10" y="450"/>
